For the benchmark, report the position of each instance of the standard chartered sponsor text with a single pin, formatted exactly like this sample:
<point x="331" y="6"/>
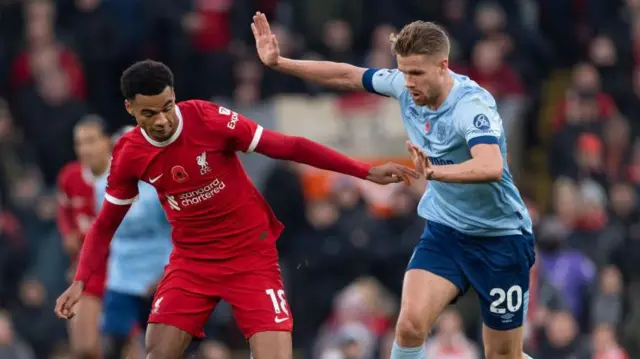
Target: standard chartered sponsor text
<point x="201" y="194"/>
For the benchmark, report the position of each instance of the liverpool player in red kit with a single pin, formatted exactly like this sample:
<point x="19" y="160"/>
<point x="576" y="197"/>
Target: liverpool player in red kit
<point x="76" y="211"/>
<point x="224" y="232"/>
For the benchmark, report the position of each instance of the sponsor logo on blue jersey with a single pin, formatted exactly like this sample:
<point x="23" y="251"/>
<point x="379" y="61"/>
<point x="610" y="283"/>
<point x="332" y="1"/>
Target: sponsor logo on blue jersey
<point x="439" y="161"/>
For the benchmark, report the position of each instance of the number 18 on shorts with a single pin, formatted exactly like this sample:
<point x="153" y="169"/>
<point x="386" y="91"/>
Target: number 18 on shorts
<point x="257" y="298"/>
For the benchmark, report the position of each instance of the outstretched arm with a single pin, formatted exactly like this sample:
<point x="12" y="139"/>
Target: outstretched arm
<point x="330" y="74"/>
<point x="243" y="135"/>
<point x="299" y="149"/>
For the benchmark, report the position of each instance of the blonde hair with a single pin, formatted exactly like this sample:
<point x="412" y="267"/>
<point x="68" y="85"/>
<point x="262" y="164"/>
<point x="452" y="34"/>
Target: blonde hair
<point x="420" y="38"/>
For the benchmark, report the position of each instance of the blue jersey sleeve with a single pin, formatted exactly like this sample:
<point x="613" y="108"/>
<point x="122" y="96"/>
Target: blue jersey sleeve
<point x="384" y="82"/>
<point x="478" y="121"/>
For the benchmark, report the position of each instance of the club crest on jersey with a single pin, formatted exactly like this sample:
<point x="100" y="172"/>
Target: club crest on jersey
<point x="202" y="162"/>
<point x="427" y="126"/>
<point x="179" y="174"/>
<point x="441" y="131"/>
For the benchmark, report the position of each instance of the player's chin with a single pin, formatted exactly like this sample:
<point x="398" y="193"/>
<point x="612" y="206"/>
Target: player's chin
<point x="420" y="100"/>
<point x="160" y="136"/>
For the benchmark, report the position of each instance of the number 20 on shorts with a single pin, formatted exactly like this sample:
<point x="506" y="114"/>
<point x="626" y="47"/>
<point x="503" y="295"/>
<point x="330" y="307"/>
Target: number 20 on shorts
<point x="279" y="301"/>
<point x="512" y="297"/>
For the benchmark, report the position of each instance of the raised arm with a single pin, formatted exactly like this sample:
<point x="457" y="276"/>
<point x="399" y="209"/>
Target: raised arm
<point x="330" y="74"/>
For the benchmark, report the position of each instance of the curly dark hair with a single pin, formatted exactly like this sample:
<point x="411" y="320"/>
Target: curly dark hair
<point x="147" y="78"/>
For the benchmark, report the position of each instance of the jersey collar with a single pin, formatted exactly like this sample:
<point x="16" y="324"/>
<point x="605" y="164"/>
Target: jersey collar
<point x="171" y="139"/>
<point x="90" y="178"/>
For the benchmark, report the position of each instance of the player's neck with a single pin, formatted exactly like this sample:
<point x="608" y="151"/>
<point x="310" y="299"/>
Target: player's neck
<point x="98" y="171"/>
<point x="444" y="94"/>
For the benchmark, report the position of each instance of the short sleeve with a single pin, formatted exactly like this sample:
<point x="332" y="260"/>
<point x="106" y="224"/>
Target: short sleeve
<point x="122" y="184"/>
<point x="478" y="121"/>
<point x="384" y="82"/>
<point x="240" y="133"/>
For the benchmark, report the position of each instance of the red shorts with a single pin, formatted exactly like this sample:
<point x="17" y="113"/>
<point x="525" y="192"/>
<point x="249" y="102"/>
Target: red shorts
<point x="251" y="284"/>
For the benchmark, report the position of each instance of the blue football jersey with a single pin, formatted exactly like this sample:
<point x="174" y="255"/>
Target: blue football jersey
<point x="467" y="117"/>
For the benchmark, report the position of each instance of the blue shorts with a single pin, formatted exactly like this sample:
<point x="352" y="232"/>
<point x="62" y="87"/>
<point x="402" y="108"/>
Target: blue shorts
<point x="496" y="267"/>
<point x="123" y="312"/>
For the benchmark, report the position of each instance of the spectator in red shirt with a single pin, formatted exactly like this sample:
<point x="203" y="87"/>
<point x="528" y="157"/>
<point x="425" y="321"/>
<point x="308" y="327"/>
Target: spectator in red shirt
<point x="586" y="83"/>
<point x="489" y="71"/>
<point x="42" y="49"/>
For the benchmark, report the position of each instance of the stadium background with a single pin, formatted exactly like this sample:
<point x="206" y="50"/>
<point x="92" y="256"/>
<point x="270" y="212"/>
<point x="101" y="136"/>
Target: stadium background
<point x="565" y="74"/>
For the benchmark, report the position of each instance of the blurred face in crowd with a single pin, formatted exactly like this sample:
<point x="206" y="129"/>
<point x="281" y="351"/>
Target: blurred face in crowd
<point x="155" y="114"/>
<point x="449" y="324"/>
<point x="455" y="10"/>
<point x="92" y="147"/>
<point x="611" y="280"/>
<point x="337" y="35"/>
<point x="487" y="57"/>
<point x="623" y="199"/>
<point x="586" y="79"/>
<point x="380" y="37"/>
<point x="602" y="51"/>
<point x="489" y="19"/>
<point x="561" y="329"/>
<point x="87" y="5"/>
<point x="322" y="214"/>
<point x="39" y="24"/>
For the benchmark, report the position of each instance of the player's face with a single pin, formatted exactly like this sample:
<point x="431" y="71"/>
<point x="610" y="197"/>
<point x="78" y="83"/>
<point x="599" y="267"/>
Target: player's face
<point x="425" y="77"/>
<point x="155" y="114"/>
<point x="92" y="146"/>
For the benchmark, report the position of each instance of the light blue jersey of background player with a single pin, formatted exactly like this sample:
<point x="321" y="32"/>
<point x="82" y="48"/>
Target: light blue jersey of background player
<point x="141" y="246"/>
<point x="139" y="251"/>
<point x="477" y="234"/>
<point x="467" y="117"/>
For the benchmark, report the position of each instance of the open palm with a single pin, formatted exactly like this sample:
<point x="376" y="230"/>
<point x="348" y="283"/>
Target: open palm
<point x="266" y="42"/>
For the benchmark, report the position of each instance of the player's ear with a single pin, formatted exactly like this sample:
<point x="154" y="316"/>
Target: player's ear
<point x="127" y="106"/>
<point x="444" y="65"/>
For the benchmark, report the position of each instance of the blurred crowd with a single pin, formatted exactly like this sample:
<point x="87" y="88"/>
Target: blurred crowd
<point x="567" y="72"/>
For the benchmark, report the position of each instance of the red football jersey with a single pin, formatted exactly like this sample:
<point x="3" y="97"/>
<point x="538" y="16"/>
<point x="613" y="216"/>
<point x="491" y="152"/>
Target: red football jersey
<point x="212" y="205"/>
<point x="76" y="204"/>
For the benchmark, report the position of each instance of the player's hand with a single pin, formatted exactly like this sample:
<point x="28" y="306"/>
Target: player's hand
<point x="67" y="300"/>
<point x="266" y="42"/>
<point x="391" y="173"/>
<point x="420" y="160"/>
